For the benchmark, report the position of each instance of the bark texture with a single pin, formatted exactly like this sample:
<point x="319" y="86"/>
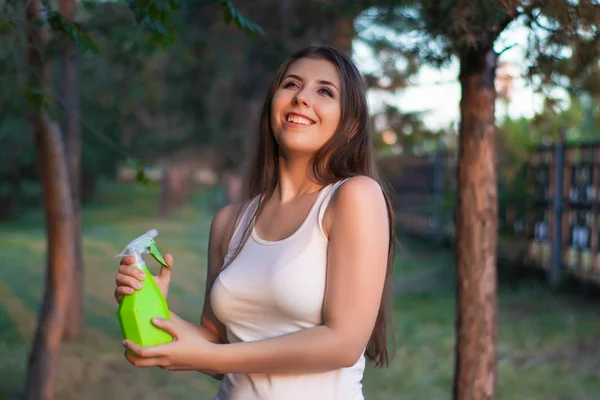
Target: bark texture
<point x="476" y="231"/>
<point x="71" y="128"/>
<point x="58" y="211"/>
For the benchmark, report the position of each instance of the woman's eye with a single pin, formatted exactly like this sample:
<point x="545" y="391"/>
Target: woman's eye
<point x="290" y="84"/>
<point x="326" y="91"/>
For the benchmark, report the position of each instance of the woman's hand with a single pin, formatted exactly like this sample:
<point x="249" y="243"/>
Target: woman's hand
<point x="129" y="277"/>
<point x="188" y="351"/>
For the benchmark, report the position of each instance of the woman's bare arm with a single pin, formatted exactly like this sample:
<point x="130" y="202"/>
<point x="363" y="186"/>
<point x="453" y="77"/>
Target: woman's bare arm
<point x="221" y="229"/>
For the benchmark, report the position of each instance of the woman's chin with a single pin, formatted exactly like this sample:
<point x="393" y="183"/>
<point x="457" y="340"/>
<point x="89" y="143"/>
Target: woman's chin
<point x="299" y="149"/>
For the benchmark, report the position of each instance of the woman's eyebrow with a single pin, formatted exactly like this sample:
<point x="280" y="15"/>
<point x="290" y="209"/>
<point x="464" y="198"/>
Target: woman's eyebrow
<point x="329" y="84"/>
<point x="321" y="82"/>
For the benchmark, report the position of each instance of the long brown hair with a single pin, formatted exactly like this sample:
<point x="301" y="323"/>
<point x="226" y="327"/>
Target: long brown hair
<point x="348" y="153"/>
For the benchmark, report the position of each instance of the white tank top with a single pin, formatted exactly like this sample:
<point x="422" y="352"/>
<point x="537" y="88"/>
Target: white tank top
<point x="274" y="288"/>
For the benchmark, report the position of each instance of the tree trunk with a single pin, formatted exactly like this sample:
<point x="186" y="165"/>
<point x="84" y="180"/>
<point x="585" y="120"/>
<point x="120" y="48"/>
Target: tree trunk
<point x="176" y="187"/>
<point x="58" y="209"/>
<point x="89" y="186"/>
<point x="343" y="33"/>
<point x="232" y="186"/>
<point x="71" y="128"/>
<point x="476" y="231"/>
<point x="336" y="29"/>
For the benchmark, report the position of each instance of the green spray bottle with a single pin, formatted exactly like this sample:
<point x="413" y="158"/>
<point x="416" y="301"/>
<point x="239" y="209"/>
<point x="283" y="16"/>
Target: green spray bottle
<point x="137" y="310"/>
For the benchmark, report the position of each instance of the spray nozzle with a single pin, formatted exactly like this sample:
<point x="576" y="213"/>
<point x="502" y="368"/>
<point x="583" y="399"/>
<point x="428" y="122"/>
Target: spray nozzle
<point x="144" y="244"/>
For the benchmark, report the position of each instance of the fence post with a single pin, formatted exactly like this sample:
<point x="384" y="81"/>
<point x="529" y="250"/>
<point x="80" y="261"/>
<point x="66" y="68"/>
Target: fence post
<point x="437" y="195"/>
<point x="557" y="242"/>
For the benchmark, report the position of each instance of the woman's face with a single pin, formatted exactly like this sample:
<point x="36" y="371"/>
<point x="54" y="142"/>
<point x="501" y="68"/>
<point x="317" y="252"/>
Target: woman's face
<point x="306" y="107"/>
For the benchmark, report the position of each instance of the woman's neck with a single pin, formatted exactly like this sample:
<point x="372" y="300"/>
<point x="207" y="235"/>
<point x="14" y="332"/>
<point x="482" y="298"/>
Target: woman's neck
<point x="295" y="179"/>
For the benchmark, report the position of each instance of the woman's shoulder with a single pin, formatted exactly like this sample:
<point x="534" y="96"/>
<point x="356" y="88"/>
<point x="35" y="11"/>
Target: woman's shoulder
<point x="224" y="216"/>
<point x="357" y="194"/>
<point x="228" y="214"/>
<point x="224" y="220"/>
<point x="357" y="188"/>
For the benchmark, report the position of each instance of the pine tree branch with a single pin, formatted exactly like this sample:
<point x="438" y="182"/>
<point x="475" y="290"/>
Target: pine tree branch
<point x="542" y="5"/>
<point x="511" y="15"/>
<point x="503" y="24"/>
<point x="537" y="22"/>
<point x="507" y="48"/>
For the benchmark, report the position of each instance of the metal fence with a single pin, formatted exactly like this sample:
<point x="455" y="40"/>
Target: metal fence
<point x="423" y="193"/>
<point x="563" y="222"/>
<point x="560" y="230"/>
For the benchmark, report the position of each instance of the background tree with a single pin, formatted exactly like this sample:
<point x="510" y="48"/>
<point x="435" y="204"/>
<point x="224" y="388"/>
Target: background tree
<point x="62" y="236"/>
<point x="58" y="206"/>
<point x="468" y="31"/>
<point x="68" y="96"/>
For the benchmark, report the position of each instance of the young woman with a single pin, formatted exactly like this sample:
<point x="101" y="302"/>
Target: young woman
<point x="299" y="272"/>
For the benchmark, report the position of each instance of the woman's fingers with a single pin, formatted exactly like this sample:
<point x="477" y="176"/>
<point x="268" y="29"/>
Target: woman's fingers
<point x="129" y="277"/>
<point x="126" y="285"/>
<point x="127" y="260"/>
<point x="163" y="279"/>
<point x="132" y="271"/>
<point x="165" y="272"/>
<point x="121" y="291"/>
<point x="128" y="280"/>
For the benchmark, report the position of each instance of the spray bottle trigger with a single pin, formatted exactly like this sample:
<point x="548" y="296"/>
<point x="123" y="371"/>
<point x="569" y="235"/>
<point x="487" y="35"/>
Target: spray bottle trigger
<point x="156" y="254"/>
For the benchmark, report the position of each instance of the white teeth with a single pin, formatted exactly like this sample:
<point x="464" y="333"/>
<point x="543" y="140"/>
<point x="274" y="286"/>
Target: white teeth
<point x="299" y="120"/>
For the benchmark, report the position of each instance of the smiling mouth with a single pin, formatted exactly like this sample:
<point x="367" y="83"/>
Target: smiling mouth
<point x="299" y="120"/>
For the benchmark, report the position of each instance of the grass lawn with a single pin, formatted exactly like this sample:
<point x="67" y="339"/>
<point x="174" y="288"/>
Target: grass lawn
<point x="546" y="339"/>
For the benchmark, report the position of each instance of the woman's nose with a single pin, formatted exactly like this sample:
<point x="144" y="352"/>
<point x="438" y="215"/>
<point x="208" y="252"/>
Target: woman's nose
<point x="301" y="98"/>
